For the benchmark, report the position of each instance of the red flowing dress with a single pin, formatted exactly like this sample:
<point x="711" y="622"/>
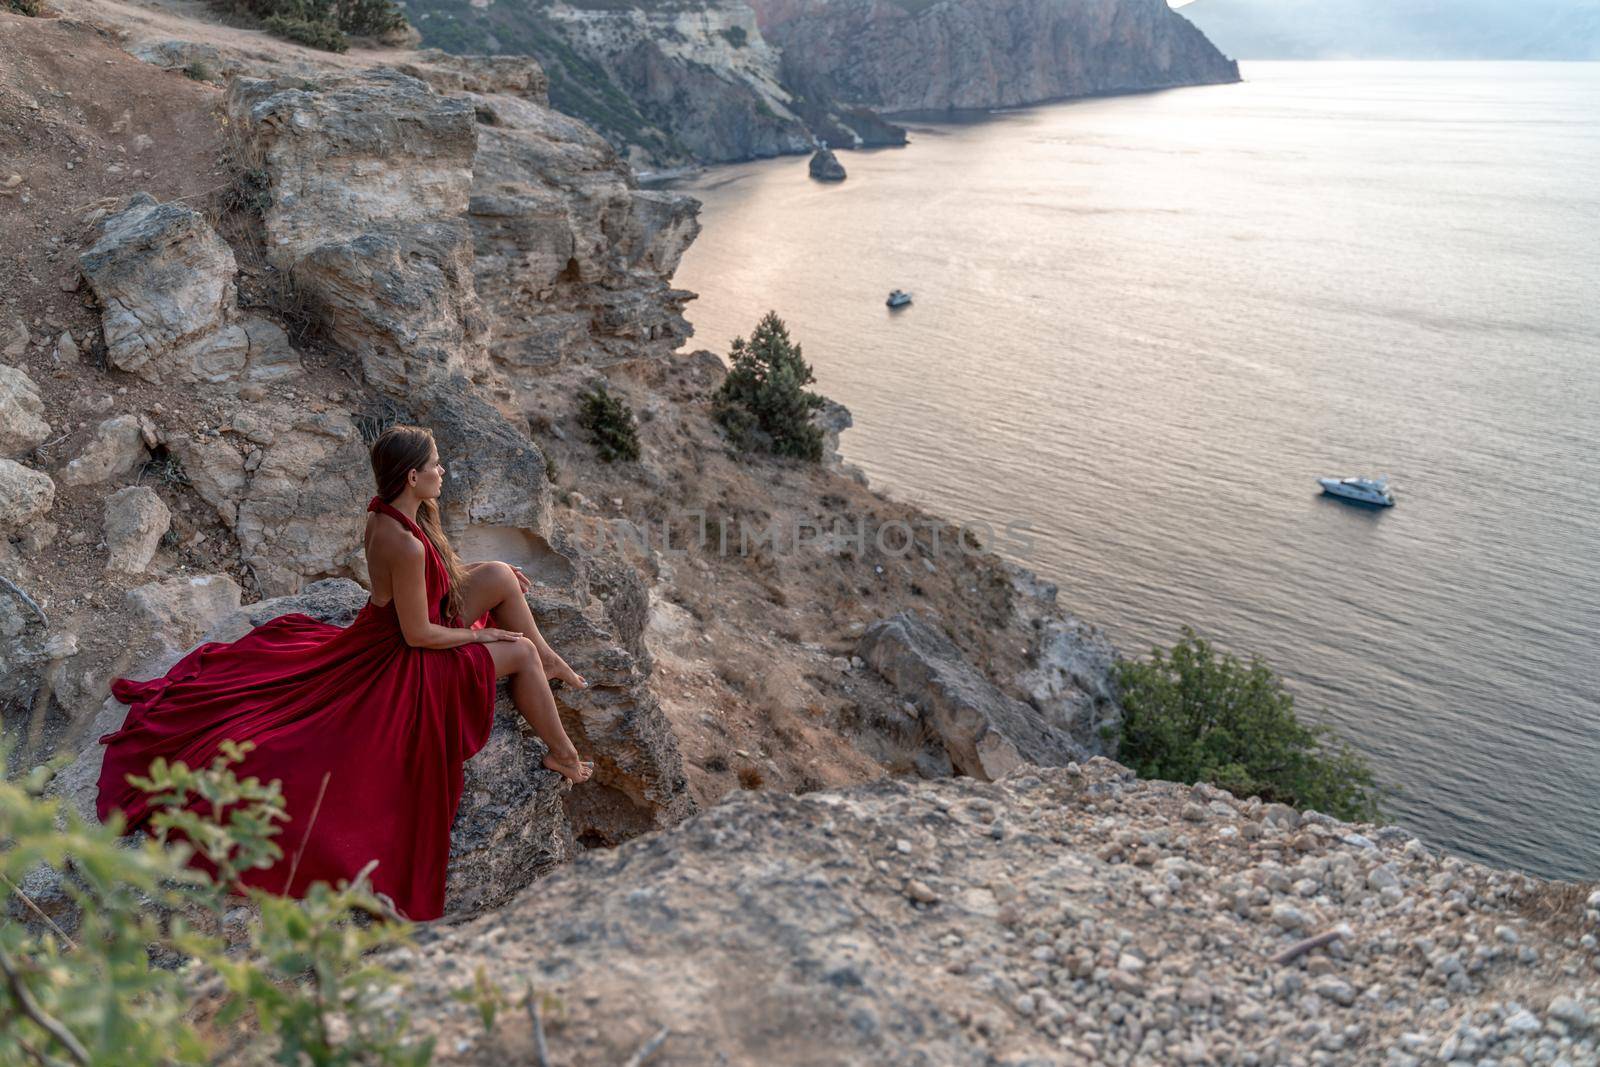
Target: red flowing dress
<point x="387" y="724"/>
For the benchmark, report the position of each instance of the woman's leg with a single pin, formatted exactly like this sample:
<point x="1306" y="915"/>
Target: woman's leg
<point x="530" y="692"/>
<point x="493" y="587"/>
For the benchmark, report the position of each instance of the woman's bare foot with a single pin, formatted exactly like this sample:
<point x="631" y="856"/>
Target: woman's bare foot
<point x="573" y="769"/>
<point x="559" y="671"/>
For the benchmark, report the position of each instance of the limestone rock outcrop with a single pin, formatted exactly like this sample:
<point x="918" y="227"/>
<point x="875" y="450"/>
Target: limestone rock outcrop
<point x="368" y="176"/>
<point x="985" y="732"/>
<point x="1070" y="683"/>
<point x="22" y="423"/>
<point x="573" y="260"/>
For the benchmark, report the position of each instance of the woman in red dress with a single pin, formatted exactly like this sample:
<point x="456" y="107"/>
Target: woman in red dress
<point x="365" y="726"/>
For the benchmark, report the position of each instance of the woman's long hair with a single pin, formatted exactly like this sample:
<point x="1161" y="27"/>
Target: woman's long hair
<point x="398" y="451"/>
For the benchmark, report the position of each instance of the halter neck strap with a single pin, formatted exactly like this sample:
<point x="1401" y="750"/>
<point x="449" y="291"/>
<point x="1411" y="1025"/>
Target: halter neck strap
<point x="379" y="505"/>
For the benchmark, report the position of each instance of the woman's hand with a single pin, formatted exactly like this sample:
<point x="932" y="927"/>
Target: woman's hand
<point x="489" y="633"/>
<point x="522" y="579"/>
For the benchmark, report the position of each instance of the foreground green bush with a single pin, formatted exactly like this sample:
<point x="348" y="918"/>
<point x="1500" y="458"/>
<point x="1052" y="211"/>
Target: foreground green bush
<point x="298" y="988"/>
<point x="763" y="403"/>
<point x="1191" y="715"/>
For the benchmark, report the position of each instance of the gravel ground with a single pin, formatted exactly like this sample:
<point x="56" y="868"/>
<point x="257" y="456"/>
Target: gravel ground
<point x="1063" y="916"/>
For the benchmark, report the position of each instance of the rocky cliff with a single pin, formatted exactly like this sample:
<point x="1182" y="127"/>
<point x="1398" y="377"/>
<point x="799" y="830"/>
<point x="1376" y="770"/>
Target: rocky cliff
<point x="721" y="80"/>
<point x="902" y="56"/>
<point x="666" y="83"/>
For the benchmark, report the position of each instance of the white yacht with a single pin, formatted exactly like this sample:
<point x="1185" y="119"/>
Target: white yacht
<point x="898" y="299"/>
<point x="1374" y="491"/>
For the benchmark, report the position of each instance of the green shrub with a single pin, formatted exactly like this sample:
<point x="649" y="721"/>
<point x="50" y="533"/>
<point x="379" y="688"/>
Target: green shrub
<point x="763" y="403"/>
<point x="1191" y="715"/>
<point x="299" y="989"/>
<point x="610" y="424"/>
<point x="321" y="23"/>
<point x="323" y="35"/>
<point x="31" y="8"/>
<point x="736" y="36"/>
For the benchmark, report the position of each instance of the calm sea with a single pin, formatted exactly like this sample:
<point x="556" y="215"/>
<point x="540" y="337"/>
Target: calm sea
<point x="1147" y="324"/>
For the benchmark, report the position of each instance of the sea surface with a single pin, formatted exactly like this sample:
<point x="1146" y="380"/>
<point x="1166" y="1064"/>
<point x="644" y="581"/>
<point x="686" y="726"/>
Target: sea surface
<point x="1146" y="324"/>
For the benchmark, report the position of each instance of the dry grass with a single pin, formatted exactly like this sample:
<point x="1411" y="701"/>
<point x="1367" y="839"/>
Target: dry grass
<point x="1557" y="906"/>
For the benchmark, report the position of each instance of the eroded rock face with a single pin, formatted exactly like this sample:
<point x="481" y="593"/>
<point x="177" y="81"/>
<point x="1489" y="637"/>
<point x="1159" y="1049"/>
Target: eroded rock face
<point x="574" y="262"/>
<point x="495" y="474"/>
<point x="985" y="732"/>
<point x="1071" y="684"/>
<point x="401" y="299"/>
<point x="347" y="152"/>
<point x="368" y="176"/>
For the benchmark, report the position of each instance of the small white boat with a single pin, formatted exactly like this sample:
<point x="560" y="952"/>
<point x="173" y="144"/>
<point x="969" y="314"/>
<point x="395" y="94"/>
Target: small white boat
<point x="1374" y="491"/>
<point x="898" y="299"/>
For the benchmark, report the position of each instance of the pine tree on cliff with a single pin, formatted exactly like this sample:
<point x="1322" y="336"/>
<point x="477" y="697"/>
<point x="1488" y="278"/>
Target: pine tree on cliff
<point x="763" y="403"/>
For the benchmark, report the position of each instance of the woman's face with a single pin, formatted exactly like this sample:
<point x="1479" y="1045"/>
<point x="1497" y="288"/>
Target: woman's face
<point x="430" y="477"/>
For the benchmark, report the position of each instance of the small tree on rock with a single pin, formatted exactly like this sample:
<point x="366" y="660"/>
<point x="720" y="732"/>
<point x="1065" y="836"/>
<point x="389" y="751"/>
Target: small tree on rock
<point x="763" y="403"/>
<point x="610" y="424"/>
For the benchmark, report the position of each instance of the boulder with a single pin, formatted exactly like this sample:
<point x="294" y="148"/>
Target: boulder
<point x="297" y="506"/>
<point x="135" y="522"/>
<point x="26" y="495"/>
<point x="168" y="307"/>
<point x="22" y="425"/>
<point x="14" y="338"/>
<point x="164" y="279"/>
<point x="116" y="450"/>
<point x="176" y="611"/>
<point x="825" y="166"/>
<point x="985" y="732"/>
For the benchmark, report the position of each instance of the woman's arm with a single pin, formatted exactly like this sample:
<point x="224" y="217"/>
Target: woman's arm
<point x="411" y="602"/>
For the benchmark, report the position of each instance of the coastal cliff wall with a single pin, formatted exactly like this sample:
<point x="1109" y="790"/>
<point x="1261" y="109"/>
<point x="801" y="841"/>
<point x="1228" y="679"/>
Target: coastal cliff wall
<point x="724" y="80"/>
<point x="898" y="56"/>
<point x="665" y="84"/>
